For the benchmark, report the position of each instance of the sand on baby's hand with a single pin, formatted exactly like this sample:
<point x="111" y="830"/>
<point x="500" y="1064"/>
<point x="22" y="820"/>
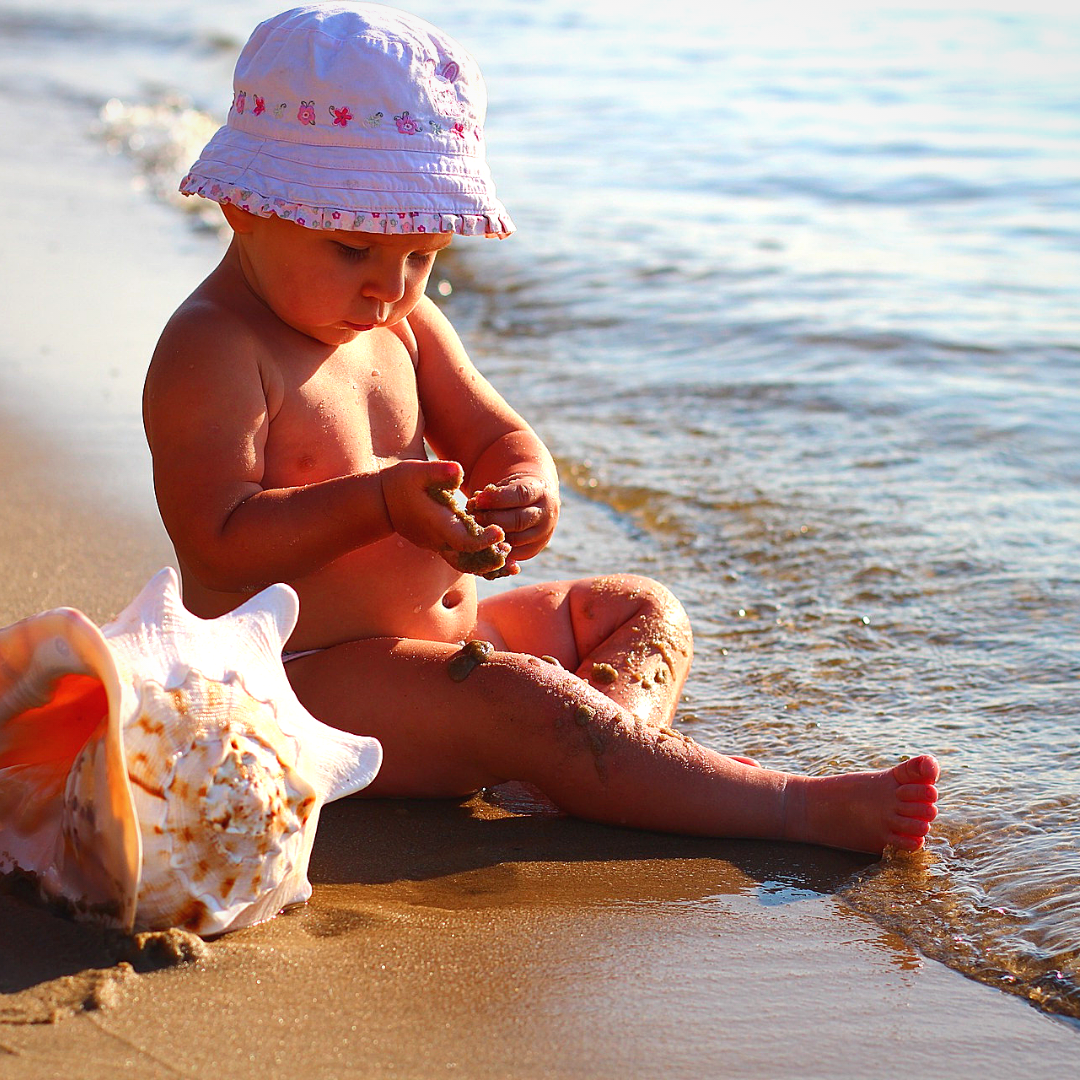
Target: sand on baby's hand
<point x="490" y="562"/>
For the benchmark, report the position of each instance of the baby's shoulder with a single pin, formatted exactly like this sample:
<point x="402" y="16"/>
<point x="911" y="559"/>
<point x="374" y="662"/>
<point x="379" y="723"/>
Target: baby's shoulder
<point x="423" y="331"/>
<point x="210" y="348"/>
<point x="431" y="336"/>
<point x="213" y="334"/>
<point x="205" y="323"/>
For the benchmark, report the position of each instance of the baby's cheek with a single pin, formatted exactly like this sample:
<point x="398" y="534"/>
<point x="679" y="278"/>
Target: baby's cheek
<point x="306" y="306"/>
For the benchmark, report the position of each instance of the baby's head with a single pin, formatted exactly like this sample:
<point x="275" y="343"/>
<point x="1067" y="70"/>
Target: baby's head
<point x="356" y="117"/>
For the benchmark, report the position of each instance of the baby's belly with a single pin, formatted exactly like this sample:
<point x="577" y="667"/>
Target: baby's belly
<point x="387" y="589"/>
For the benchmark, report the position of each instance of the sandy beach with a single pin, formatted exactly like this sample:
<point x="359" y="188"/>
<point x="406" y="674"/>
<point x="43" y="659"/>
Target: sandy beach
<point x="492" y="938"/>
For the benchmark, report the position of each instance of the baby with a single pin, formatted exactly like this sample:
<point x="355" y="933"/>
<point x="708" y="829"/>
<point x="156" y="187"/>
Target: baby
<point x="309" y="412"/>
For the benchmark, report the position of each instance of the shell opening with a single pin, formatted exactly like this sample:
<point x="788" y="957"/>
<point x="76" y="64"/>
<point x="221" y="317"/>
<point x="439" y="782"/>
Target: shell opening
<point x="51" y="735"/>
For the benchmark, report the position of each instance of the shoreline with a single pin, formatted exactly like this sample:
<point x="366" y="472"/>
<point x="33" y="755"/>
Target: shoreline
<point x="489" y="938"/>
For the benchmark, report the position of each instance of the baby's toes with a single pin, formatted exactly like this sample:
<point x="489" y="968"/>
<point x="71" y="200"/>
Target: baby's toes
<point x="917" y="811"/>
<point x="906" y="841"/>
<point x="910" y="826"/>
<point x="918" y="799"/>
<point x="922" y="769"/>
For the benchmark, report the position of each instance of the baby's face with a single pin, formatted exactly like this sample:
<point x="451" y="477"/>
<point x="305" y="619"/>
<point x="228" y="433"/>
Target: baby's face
<point x="333" y="285"/>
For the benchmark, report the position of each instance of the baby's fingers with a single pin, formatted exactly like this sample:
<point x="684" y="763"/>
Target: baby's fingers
<point x="513" y="522"/>
<point x="487" y="561"/>
<point x="510" y="495"/>
<point x="470" y="535"/>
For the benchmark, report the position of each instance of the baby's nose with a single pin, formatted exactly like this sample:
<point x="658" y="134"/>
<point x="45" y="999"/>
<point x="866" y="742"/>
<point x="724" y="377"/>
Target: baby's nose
<point x="386" y="281"/>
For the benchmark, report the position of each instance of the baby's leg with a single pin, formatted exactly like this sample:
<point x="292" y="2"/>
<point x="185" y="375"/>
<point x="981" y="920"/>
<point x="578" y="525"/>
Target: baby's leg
<point x="518" y="718"/>
<point x="626" y="635"/>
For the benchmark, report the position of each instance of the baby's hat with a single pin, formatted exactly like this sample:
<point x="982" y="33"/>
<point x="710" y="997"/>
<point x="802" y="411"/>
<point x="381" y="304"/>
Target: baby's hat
<point x="355" y="116"/>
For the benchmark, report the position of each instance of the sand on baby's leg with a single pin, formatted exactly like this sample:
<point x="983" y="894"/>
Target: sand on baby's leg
<point x="626" y="635"/>
<point x="516" y="717"/>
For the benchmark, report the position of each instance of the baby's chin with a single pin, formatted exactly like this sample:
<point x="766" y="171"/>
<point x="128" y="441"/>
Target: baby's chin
<point x="334" y="334"/>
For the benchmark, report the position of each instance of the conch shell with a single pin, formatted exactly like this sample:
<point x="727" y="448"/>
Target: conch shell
<point x="160" y="772"/>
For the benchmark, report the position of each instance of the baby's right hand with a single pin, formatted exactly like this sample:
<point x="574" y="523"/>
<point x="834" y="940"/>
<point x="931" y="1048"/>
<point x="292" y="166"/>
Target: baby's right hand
<point x="430" y="522"/>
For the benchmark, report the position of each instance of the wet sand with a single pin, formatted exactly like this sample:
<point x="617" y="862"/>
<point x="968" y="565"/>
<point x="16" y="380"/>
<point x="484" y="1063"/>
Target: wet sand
<point x="477" y="940"/>
<point x="490" y="938"/>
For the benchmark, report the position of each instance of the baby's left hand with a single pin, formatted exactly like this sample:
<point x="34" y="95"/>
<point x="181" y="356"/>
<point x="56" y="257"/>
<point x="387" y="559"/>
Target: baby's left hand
<point x="524" y="506"/>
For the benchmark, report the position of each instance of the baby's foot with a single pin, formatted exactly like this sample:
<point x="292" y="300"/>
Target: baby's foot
<point x="864" y="811"/>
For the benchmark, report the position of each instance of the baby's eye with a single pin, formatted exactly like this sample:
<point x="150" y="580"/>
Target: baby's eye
<point x="349" y="252"/>
<point x="423" y="256"/>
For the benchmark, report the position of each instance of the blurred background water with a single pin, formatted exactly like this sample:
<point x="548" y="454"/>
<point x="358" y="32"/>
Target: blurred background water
<point x="793" y="302"/>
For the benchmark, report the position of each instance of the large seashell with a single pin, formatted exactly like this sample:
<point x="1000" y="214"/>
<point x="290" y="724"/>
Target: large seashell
<point x="160" y="771"/>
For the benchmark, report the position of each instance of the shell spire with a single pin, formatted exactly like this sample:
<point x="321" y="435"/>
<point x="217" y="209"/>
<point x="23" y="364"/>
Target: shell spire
<point x="160" y="771"/>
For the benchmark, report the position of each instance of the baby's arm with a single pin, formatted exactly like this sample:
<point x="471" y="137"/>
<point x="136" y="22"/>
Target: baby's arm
<point x="508" y="471"/>
<point x="209" y="400"/>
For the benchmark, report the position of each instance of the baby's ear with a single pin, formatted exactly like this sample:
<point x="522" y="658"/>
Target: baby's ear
<point x="240" y="221"/>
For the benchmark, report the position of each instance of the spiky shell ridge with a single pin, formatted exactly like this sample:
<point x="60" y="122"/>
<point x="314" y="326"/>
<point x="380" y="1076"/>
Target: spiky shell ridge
<point x="157" y="639"/>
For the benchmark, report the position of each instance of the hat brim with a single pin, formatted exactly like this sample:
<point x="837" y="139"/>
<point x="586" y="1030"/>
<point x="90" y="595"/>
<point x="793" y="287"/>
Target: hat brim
<point x="320" y="187"/>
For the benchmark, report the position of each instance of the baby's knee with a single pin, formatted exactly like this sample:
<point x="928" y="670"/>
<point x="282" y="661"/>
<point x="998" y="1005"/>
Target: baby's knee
<point x="662" y="599"/>
<point x="650" y="599"/>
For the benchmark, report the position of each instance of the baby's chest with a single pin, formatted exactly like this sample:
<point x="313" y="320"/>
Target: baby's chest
<point x="344" y="417"/>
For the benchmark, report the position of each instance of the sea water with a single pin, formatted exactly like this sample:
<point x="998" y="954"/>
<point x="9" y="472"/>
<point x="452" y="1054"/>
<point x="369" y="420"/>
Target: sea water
<point x="793" y="302"/>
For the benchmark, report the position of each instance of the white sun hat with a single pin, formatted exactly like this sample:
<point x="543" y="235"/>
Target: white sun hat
<point x="355" y="116"/>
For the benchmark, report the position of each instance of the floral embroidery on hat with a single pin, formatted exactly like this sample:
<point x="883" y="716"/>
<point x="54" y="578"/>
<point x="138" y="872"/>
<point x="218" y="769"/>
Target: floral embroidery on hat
<point x="441" y="87"/>
<point x="406" y="124"/>
<point x="405" y="121"/>
<point x="314" y="217"/>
